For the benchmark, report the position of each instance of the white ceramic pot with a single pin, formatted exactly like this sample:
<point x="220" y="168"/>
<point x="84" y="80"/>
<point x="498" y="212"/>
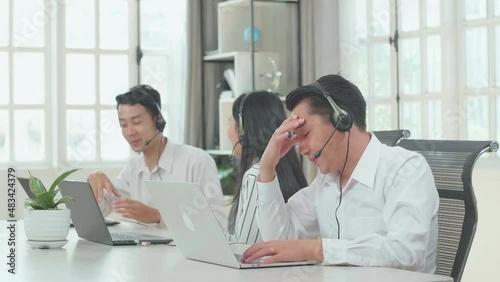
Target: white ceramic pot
<point x="46" y="225"/>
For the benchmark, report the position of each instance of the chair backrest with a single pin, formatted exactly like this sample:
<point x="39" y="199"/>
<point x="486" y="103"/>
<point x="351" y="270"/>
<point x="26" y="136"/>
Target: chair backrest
<point x="392" y="137"/>
<point x="452" y="163"/>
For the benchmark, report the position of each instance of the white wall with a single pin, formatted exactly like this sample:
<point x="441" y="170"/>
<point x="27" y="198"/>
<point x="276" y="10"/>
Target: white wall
<point x="482" y="264"/>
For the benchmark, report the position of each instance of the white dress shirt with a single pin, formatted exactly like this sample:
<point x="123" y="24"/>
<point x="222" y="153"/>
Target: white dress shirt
<point x="182" y="163"/>
<point x="387" y="217"/>
<point x="246" y="228"/>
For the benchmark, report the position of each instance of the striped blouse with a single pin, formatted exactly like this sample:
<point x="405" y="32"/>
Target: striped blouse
<point x="246" y="229"/>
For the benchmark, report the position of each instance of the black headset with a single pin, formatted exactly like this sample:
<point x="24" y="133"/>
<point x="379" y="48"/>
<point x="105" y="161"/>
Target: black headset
<point x="241" y="130"/>
<point x="340" y="118"/>
<point x="159" y="120"/>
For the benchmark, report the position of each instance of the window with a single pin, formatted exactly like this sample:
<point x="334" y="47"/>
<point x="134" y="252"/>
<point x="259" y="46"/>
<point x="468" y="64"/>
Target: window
<point x="417" y="73"/>
<point x="63" y="63"/>
<point x="481" y="40"/>
<point x="24" y="57"/>
<point x="164" y="58"/>
<point x="95" y="55"/>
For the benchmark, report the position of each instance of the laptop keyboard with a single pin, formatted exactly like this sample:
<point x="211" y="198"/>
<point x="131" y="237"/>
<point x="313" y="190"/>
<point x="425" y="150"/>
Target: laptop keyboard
<point x="238" y="257"/>
<point x="123" y="237"/>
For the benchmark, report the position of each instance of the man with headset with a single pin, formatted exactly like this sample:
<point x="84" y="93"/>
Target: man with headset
<point x="370" y="205"/>
<point x="159" y="159"/>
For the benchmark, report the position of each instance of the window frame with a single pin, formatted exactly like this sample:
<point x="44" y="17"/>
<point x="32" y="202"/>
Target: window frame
<point x="453" y="94"/>
<point x="491" y="92"/>
<point x="54" y="107"/>
<point x="45" y="107"/>
<point x="133" y="76"/>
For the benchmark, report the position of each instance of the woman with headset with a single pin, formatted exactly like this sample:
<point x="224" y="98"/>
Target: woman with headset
<point x="254" y="119"/>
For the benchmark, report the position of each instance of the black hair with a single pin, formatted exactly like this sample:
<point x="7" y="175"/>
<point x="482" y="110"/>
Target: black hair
<point x="263" y="112"/>
<point x="148" y="97"/>
<point x="343" y="92"/>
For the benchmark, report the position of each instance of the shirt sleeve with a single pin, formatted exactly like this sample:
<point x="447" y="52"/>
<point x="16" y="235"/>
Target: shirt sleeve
<point x="296" y="219"/>
<point x="247" y="228"/>
<point x="409" y="212"/>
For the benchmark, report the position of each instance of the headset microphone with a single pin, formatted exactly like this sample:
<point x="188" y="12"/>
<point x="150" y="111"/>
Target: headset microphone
<point x="232" y="151"/>
<point x="340" y="118"/>
<point x="318" y="153"/>
<point x="151" y="140"/>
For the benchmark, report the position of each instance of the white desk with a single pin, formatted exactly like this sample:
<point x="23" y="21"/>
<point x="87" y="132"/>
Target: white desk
<point x="81" y="260"/>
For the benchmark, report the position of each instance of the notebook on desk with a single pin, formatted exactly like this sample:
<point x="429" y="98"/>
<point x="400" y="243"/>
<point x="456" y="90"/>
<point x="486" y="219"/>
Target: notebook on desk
<point x="194" y="227"/>
<point x="25" y="183"/>
<point x="89" y="222"/>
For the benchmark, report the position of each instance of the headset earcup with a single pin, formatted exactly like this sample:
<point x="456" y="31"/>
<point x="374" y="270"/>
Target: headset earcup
<point x="160" y="122"/>
<point x="345" y="124"/>
<point x="241" y="134"/>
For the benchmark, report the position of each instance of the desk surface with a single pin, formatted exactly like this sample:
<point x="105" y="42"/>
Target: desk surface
<point x="81" y="260"/>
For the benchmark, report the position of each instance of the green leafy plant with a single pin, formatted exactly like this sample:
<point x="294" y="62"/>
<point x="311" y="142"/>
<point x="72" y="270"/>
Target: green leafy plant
<point x="44" y="200"/>
<point x="227" y="180"/>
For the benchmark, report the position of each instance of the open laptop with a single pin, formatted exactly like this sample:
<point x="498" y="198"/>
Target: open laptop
<point x="25" y="182"/>
<point x="89" y="222"/>
<point x="194" y="227"/>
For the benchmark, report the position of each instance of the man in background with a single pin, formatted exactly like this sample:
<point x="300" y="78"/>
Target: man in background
<point x="159" y="159"/>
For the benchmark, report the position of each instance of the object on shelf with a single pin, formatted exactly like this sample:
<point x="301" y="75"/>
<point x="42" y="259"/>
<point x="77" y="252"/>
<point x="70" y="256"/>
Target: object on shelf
<point x="225" y="112"/>
<point x="230" y="79"/>
<point x="247" y="35"/>
<point x="226" y="94"/>
<point x="233" y="23"/>
<point x="212" y="52"/>
<point x="272" y="77"/>
<point x="222" y="85"/>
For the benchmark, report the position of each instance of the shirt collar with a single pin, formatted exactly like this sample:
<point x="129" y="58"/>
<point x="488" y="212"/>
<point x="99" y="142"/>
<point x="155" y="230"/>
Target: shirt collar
<point x="365" y="170"/>
<point x="166" y="159"/>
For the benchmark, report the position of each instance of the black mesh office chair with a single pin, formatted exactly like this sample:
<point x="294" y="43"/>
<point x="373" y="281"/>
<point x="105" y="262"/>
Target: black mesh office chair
<point x="452" y="163"/>
<point x="392" y="137"/>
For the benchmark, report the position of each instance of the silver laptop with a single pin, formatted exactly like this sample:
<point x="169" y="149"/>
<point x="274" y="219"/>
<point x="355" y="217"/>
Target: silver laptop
<point x="194" y="227"/>
<point x="25" y="182"/>
<point x="89" y="222"/>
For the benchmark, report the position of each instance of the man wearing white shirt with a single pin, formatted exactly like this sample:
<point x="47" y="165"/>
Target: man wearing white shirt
<point x="370" y="205"/>
<point x="159" y="159"/>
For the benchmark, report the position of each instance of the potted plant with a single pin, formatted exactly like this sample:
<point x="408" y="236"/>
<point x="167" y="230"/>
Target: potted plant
<point x="45" y="225"/>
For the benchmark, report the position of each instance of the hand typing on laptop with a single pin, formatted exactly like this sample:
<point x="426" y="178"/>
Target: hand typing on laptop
<point x="136" y="210"/>
<point x="101" y="184"/>
<point x="126" y="207"/>
<point x="284" y="251"/>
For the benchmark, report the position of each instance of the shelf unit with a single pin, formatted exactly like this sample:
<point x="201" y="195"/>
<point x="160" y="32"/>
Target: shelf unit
<point x="252" y="60"/>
